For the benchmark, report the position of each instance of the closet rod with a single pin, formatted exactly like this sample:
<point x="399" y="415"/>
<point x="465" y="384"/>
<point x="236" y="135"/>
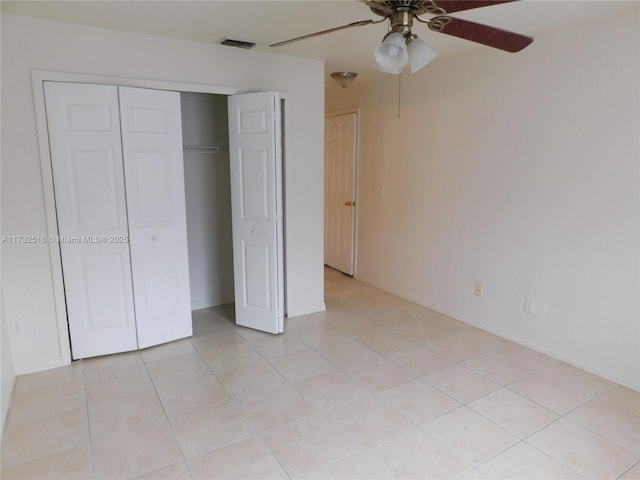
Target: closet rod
<point x="212" y="149"/>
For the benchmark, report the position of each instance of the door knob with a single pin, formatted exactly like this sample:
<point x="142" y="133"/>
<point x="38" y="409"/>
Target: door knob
<point x="155" y="238"/>
<point x="253" y="231"/>
<point x="350" y="204"/>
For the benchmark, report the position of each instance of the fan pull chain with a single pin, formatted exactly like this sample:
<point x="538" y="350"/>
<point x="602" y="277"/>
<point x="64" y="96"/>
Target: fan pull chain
<point x="399" y="90"/>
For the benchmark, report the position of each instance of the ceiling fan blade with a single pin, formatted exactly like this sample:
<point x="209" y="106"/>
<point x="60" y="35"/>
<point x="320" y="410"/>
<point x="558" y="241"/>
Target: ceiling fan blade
<point x="491" y="36"/>
<point x="450" y="6"/>
<point x="324" y="32"/>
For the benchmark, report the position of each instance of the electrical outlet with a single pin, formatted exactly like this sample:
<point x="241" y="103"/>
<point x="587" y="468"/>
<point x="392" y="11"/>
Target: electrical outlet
<point x="17" y="327"/>
<point x="477" y="290"/>
<point x="529" y="306"/>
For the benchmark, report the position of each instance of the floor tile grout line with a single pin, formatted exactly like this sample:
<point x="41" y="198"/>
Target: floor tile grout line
<point x="524" y="442"/>
<point x="11" y="423"/>
<point x="163" y="420"/>
<point x="637" y="464"/>
<point x="358" y="451"/>
<point x="598" y="434"/>
<point x="558" y="416"/>
<point x="549" y="456"/>
<point x="534" y="400"/>
<point x="316" y="410"/>
<point x="559" y="419"/>
<point x="86" y="398"/>
<point x="518" y="439"/>
<point x="15" y="391"/>
<point x="55" y="452"/>
<point x="583" y="403"/>
<point x="166" y="419"/>
<point x="404" y="416"/>
<point x="232" y="399"/>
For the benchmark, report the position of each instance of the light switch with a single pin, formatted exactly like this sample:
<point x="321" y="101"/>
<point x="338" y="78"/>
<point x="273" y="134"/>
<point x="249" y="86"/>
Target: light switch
<point x="378" y="190"/>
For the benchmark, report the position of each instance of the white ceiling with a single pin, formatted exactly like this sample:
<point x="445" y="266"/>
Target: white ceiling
<point x="266" y="22"/>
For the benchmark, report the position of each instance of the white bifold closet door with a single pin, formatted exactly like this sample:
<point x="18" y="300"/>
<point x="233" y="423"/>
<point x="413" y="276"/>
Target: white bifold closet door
<point x="121" y="218"/>
<point x="255" y="151"/>
<point x="151" y="125"/>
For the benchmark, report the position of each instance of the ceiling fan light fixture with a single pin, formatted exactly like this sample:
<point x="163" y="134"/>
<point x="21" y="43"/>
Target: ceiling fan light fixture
<point x="420" y="53"/>
<point x="395" y="71"/>
<point x="344" y="79"/>
<point x="391" y="55"/>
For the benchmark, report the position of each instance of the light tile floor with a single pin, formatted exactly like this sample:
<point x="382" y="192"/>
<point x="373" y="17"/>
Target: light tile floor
<point x="373" y="388"/>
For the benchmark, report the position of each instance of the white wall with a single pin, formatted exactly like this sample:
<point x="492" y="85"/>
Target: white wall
<point x="518" y="171"/>
<point x="8" y="376"/>
<point x="208" y="199"/>
<point x="36" y="44"/>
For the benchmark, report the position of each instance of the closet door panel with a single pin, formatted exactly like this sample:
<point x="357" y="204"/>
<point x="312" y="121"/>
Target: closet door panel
<point x="102" y="284"/>
<point x="86" y="157"/>
<point x="256" y="204"/>
<point x="95" y="191"/>
<point x="154" y="182"/>
<point x="151" y="174"/>
<point x="157" y="293"/>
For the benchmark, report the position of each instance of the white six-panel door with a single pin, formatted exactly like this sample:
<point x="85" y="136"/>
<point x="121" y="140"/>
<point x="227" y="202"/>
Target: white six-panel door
<point x="86" y="155"/>
<point x="339" y="189"/>
<point x="154" y="178"/>
<point x="256" y="209"/>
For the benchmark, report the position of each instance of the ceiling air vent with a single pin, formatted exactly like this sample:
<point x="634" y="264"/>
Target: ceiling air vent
<point x="236" y="43"/>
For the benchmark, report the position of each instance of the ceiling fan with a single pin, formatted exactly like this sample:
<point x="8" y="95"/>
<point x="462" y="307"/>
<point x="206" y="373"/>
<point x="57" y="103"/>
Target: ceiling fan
<point x="401" y="46"/>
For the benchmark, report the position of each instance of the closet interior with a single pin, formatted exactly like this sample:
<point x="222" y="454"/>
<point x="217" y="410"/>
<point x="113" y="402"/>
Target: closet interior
<point x="205" y="138"/>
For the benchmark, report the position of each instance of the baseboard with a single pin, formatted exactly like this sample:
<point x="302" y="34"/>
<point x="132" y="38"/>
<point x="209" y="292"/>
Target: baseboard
<point x="211" y="302"/>
<point x="387" y="288"/>
<point x="32" y="367"/>
<point x="7" y="410"/>
<point x="584" y="364"/>
<point x="305" y="311"/>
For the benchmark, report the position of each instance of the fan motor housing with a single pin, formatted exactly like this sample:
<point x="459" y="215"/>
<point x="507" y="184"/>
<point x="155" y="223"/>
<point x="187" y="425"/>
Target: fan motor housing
<point x="384" y="8"/>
